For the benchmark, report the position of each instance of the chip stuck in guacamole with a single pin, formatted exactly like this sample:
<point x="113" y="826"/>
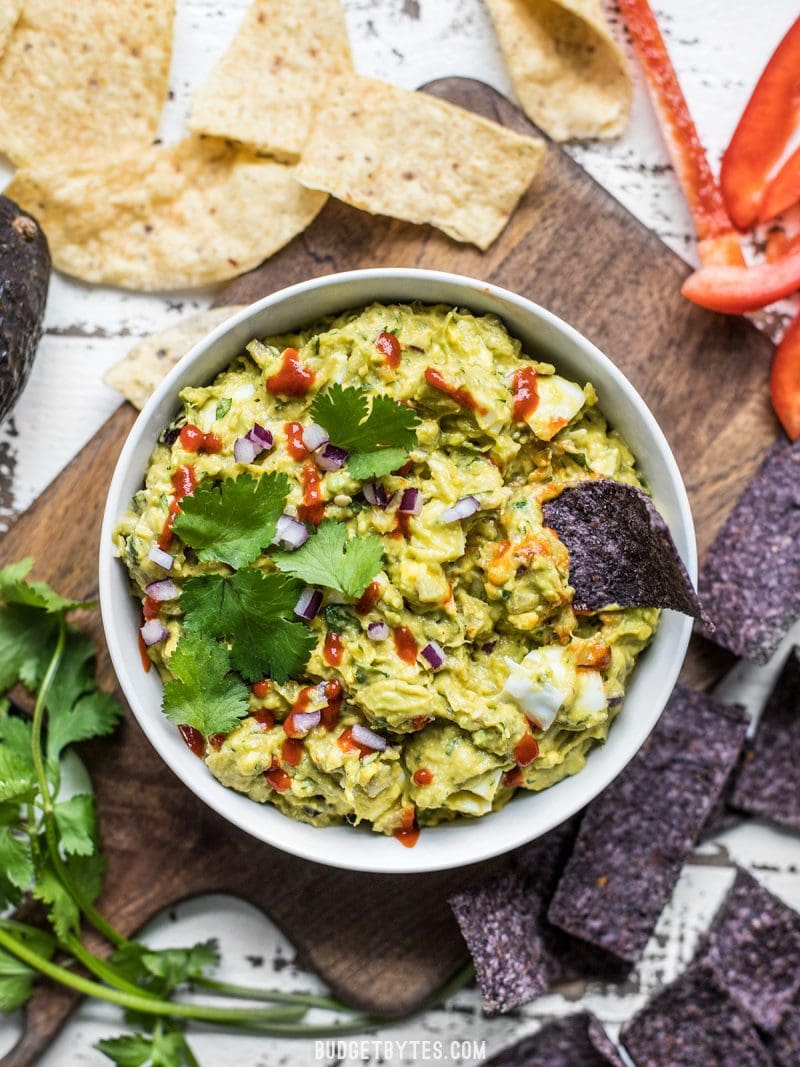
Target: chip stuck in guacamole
<point x="348" y="586"/>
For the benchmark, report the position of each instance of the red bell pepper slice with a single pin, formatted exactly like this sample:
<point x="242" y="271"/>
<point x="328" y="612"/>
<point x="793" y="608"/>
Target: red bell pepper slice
<point x="783" y="191"/>
<point x="764" y="129"/>
<point x="718" y="242"/>
<point x="733" y="290"/>
<point x="784" y="382"/>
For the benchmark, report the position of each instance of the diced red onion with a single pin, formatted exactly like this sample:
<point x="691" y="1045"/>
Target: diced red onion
<point x="245" y="450"/>
<point x="165" y="589"/>
<point x="161" y="558"/>
<point x="290" y="532"/>
<point x="375" y="494"/>
<point x="309" y="604"/>
<point x="435" y="655"/>
<point x="490" y="646"/>
<point x="153" y="631"/>
<point x="462" y="509"/>
<point x="377" y="631"/>
<point x="331" y="458"/>
<point x="261" y="437"/>
<point x="368" y="738"/>
<point x="315" y="437"/>
<point x="410" y="502"/>
<point x="303" y="721"/>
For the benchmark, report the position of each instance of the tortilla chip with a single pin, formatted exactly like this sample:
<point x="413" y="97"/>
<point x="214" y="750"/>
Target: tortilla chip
<point x="83" y="79"/>
<point x="571" y="77"/>
<point x="753" y="947"/>
<point x="750" y="582"/>
<point x="518" y="954"/>
<point x="9" y="13"/>
<point x="576" y="1041"/>
<point x="693" y="1023"/>
<point x="620" y="549"/>
<point x="138" y="374"/>
<point x="767" y="784"/>
<point x="393" y="152"/>
<point x="634" y="838"/>
<point x="197" y="212"/>
<point x="265" y="89"/>
<point x="784" y="1045"/>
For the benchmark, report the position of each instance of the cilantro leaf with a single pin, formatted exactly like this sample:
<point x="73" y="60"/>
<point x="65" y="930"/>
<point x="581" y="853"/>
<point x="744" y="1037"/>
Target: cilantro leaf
<point x="158" y="1049"/>
<point x="234" y="520"/>
<point x="223" y="407"/>
<point x="88" y="872"/>
<point x="163" y="969"/>
<point x="14" y="589"/>
<point x="16" y="977"/>
<point x="77" y="824"/>
<point x="27" y="636"/>
<point x="325" y="559"/>
<point x="17" y="778"/>
<point x="203" y="693"/>
<point x="378" y="435"/>
<point x="16" y="861"/>
<point x="364" y="465"/>
<point x="255" y="612"/>
<point x="93" y="715"/>
<point x="62" y="911"/>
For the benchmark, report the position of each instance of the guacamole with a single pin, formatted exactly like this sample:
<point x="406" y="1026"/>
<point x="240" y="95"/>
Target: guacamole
<point x="461" y="673"/>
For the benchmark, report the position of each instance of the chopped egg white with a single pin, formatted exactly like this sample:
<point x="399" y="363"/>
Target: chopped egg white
<point x="559" y="402"/>
<point x="542" y="683"/>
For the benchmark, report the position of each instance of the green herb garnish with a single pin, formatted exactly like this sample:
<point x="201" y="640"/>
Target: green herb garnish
<point x="329" y="559"/>
<point x="234" y="520"/>
<point x="377" y="434"/>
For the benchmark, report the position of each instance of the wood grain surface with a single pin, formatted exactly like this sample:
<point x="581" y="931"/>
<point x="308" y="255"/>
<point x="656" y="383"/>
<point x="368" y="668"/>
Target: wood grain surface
<point x="385" y="943"/>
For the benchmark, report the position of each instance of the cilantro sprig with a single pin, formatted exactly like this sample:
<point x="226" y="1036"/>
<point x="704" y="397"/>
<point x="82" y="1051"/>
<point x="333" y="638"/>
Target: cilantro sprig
<point x="378" y="434"/>
<point x="329" y="559"/>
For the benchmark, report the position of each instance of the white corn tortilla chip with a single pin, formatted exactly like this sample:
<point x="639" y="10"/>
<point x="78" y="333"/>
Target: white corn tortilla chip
<point x="151" y="359"/>
<point x="570" y="75"/>
<point x="83" y="77"/>
<point x="394" y="152"/>
<point x="9" y="13"/>
<point x="264" y="90"/>
<point x="198" y="212"/>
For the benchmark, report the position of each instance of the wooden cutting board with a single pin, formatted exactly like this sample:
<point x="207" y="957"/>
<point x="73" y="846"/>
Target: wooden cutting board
<point x="384" y="943"/>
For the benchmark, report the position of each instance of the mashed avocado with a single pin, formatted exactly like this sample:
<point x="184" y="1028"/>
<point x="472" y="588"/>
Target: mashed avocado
<point x="526" y="687"/>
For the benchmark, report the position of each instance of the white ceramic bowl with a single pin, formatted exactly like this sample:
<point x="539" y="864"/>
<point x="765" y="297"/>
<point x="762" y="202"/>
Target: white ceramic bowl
<point x="527" y="816"/>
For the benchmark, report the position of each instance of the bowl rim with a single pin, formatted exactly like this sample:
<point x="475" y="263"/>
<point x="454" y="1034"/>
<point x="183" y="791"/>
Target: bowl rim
<point x="585" y="786"/>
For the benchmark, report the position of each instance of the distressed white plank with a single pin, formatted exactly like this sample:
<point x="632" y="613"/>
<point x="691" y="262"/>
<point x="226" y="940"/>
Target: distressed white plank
<point x="719" y="47"/>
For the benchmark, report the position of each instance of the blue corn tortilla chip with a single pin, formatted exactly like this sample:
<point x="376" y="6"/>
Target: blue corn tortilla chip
<point x="576" y="1041"/>
<point x="635" y="837"/>
<point x="753" y="947"/>
<point x="768" y="783"/>
<point x="693" y="1023"/>
<point x="784" y="1044"/>
<point x="750" y="581"/>
<point x="620" y="549"/>
<point x="517" y="953"/>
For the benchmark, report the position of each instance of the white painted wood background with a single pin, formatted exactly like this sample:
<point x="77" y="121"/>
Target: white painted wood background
<point x="719" y="47"/>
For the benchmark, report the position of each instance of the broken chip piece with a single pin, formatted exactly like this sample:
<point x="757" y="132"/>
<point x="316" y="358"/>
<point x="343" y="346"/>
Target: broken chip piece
<point x="693" y="1023"/>
<point x="620" y="549"/>
<point x="767" y="783"/>
<point x="753" y="947"/>
<point x="576" y="1041"/>
<point x="634" y="838"/>
<point x="750" y="581"/>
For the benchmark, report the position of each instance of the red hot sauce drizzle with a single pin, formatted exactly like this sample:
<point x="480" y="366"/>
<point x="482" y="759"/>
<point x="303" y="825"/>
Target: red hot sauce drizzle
<point x="332" y="649"/>
<point x="312" y="509"/>
<point x="405" y="644"/>
<point x="388" y="345"/>
<point x="294" y="440"/>
<point x="293" y="378"/>
<point x="408" y="833"/>
<point x="463" y="397"/>
<point x="193" y="738"/>
<point x="526" y="393"/>
<point x="183" y="484"/>
<point x="369" y="598"/>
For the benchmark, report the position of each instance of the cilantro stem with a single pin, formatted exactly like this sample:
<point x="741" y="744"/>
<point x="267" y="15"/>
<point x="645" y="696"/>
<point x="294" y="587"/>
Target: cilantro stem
<point x="101" y="969"/>
<point x="147" y="1005"/>
<point x="51" y="833"/>
<point x="231" y="989"/>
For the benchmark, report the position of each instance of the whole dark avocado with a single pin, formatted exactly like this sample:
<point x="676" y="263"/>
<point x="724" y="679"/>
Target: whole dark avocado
<point x="24" y="278"/>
